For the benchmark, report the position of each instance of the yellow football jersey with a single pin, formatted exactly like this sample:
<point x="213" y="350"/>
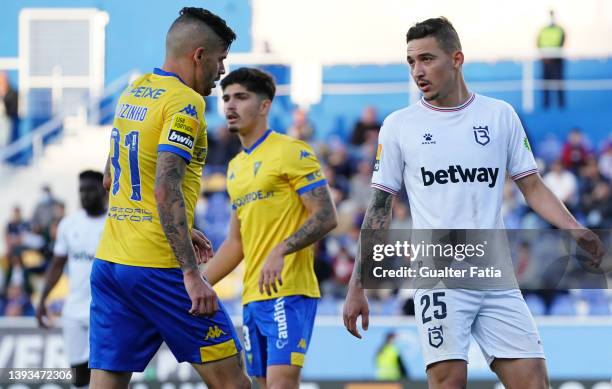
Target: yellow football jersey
<point x="157" y="112"/>
<point x="265" y="183"/>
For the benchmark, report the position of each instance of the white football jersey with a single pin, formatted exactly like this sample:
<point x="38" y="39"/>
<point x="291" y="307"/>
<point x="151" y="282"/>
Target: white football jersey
<point x="77" y="238"/>
<point x="453" y="161"/>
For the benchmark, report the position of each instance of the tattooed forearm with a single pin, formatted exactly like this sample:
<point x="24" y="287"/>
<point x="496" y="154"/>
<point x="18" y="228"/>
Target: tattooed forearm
<point x="377" y="217"/>
<point x="321" y="220"/>
<point x="171" y="208"/>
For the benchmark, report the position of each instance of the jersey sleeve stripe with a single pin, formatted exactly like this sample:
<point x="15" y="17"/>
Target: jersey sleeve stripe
<point x="310" y="187"/>
<point x="524" y="174"/>
<point x="173" y="149"/>
<point x="384" y="188"/>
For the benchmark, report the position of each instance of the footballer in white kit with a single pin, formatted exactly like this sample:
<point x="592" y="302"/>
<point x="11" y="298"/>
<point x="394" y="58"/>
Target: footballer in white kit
<point x="452" y="150"/>
<point x="75" y="245"/>
<point x="453" y="162"/>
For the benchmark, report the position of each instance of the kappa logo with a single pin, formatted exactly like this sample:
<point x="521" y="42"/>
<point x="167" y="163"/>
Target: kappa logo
<point x="231" y="176"/>
<point x="256" y="167"/>
<point x="214" y="332"/>
<point x="180" y="138"/>
<point x="302" y="344"/>
<point x="435" y="336"/>
<point x="481" y="135"/>
<point x="190" y="110"/>
<point x="428" y="139"/>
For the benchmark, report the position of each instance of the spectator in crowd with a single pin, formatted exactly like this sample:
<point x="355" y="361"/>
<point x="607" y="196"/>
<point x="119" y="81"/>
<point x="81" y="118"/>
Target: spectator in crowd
<point x="16" y="239"/>
<point x="8" y="111"/>
<point x="551" y="39"/>
<point x="17" y="302"/>
<point x="599" y="211"/>
<point x="605" y="160"/>
<point x="338" y="160"/>
<point x="337" y="184"/>
<point x="301" y="128"/>
<point x="575" y="152"/>
<point x="588" y="178"/>
<point x="45" y="212"/>
<point x="222" y="147"/>
<point x="360" y="184"/>
<point x="366" y="127"/>
<point x="562" y="183"/>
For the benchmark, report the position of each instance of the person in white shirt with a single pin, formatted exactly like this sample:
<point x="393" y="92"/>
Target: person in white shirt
<point x="75" y="245"/>
<point x="452" y="149"/>
<point x="562" y="183"/>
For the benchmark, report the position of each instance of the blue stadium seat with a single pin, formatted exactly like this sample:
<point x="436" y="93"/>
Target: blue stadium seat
<point x="536" y="304"/>
<point x="563" y="305"/>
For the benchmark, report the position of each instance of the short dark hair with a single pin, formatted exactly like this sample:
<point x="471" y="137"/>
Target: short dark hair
<point x="254" y="80"/>
<point x="441" y="29"/>
<point x="213" y="21"/>
<point x="91" y="174"/>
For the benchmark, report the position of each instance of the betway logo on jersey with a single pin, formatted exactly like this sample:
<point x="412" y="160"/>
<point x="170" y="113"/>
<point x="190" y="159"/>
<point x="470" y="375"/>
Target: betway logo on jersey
<point x="456" y="173"/>
<point x="181" y="138"/>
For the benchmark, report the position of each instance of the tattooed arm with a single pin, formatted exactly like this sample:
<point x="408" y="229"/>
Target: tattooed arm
<point x="377" y="217"/>
<point x="173" y="218"/>
<point x="322" y="219"/>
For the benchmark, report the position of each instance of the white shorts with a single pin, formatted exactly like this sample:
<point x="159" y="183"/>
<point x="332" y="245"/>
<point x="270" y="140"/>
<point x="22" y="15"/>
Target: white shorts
<point x="499" y="320"/>
<point x="76" y="340"/>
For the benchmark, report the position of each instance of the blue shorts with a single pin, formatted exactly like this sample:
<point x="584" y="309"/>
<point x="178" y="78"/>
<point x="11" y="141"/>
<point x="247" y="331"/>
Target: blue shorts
<point x="134" y="309"/>
<point x="277" y="332"/>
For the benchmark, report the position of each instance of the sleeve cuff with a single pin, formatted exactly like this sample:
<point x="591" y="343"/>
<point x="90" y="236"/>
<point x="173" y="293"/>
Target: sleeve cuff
<point x="524" y="174"/>
<point x="176" y="150"/>
<point x="310" y="187"/>
<point x="384" y="188"/>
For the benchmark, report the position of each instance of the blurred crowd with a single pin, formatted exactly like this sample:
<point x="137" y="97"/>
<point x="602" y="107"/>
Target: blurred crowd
<point x="29" y="249"/>
<point x="576" y="171"/>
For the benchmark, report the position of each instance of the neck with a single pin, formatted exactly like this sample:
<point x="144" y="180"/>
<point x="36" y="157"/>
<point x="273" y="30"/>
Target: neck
<point x="248" y="139"/>
<point x="458" y="96"/>
<point x="180" y="70"/>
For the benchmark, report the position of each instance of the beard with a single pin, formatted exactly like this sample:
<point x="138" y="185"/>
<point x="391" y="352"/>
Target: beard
<point x="233" y="129"/>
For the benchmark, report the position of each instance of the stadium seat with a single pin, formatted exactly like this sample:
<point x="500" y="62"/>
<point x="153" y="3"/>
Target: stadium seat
<point x="536" y="304"/>
<point x="564" y="305"/>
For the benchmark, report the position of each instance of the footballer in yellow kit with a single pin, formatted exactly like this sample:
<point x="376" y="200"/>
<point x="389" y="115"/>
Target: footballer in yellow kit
<point x="280" y="206"/>
<point x="146" y="287"/>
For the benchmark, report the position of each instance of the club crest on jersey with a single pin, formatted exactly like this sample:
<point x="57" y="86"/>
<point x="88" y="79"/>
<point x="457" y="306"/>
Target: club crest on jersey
<point x="481" y="135"/>
<point x="304" y="154"/>
<point x="435" y="336"/>
<point x="256" y="167"/>
<point x="428" y="139"/>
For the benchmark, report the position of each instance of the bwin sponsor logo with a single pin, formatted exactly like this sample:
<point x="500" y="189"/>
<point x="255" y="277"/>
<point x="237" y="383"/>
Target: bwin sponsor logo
<point x="455" y="174"/>
<point x="181" y="138"/>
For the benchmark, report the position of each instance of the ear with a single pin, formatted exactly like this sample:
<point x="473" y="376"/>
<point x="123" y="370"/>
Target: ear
<point x="198" y="54"/>
<point x="265" y="106"/>
<point x="458" y="59"/>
